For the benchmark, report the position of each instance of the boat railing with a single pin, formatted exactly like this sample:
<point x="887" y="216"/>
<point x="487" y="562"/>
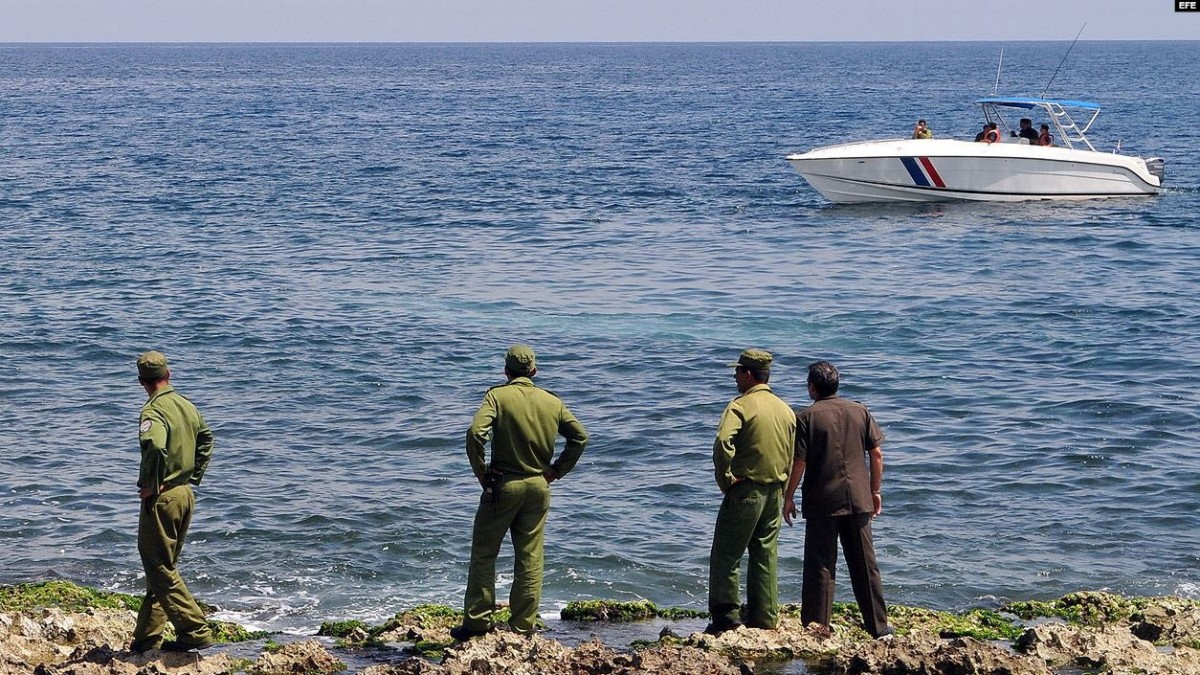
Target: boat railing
<point x="1068" y="131"/>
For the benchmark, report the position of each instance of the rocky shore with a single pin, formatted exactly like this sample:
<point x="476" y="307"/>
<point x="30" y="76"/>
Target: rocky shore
<point x="58" y="628"/>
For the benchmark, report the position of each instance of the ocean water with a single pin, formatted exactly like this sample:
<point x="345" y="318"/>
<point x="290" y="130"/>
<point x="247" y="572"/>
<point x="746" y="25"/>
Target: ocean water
<point x="335" y="244"/>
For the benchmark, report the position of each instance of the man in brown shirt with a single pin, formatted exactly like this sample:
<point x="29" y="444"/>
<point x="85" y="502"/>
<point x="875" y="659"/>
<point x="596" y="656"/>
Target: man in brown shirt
<point x="835" y="440"/>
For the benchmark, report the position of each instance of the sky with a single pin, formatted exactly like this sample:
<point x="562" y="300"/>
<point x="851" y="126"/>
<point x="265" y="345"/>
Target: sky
<point x="589" y="20"/>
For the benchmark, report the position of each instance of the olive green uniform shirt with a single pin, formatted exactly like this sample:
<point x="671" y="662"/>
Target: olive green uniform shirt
<point x="176" y="442"/>
<point x="523" y="422"/>
<point x="755" y="439"/>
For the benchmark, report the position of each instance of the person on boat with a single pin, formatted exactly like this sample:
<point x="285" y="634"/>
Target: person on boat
<point x="992" y="133"/>
<point x="1027" y="131"/>
<point x="922" y="130"/>
<point x="1045" y="138"/>
<point x="979" y="136"/>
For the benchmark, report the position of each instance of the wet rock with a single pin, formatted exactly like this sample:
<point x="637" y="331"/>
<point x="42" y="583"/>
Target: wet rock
<point x="106" y="661"/>
<point x="925" y="653"/>
<point x="1168" y="624"/>
<point x="307" y="657"/>
<point x="1111" y="649"/>
<point x="47" y="636"/>
<point x="790" y="640"/>
<point x="505" y="653"/>
<point x="424" y="623"/>
<point x="682" y="660"/>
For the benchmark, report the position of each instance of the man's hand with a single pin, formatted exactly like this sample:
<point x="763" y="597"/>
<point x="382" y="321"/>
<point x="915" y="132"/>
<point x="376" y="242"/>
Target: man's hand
<point x="144" y="493"/>
<point x="725" y="491"/>
<point x="878" y="499"/>
<point x="789" y="510"/>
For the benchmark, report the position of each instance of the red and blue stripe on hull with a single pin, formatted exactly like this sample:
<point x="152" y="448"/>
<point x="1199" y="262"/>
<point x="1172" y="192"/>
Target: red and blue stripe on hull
<point x="922" y="172"/>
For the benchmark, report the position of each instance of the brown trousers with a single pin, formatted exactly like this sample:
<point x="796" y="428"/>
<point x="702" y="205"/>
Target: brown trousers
<point x="821" y="537"/>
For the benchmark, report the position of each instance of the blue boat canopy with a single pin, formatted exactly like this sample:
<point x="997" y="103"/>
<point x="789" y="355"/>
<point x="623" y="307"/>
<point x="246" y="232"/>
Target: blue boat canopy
<point x="1030" y="103"/>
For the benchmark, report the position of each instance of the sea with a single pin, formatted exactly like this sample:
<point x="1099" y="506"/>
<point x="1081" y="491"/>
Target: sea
<point x="336" y="243"/>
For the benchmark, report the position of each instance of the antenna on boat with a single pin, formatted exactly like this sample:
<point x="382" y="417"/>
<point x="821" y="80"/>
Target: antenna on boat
<point x="996" y="87"/>
<point x="1064" y="59"/>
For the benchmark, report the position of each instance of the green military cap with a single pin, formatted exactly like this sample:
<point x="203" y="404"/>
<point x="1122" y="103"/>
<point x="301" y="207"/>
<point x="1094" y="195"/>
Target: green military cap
<point x="152" y="366"/>
<point x="520" y="359"/>
<point x="754" y="359"/>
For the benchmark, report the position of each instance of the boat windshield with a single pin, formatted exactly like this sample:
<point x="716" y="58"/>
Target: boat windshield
<point x="1058" y="111"/>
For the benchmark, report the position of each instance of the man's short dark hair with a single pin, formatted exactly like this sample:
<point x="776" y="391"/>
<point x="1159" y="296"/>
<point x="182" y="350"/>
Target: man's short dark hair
<point x="823" y="376"/>
<point x="761" y="376"/>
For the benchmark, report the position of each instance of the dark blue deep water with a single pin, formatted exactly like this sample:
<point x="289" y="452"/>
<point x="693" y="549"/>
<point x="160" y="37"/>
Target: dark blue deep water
<point x="336" y="243"/>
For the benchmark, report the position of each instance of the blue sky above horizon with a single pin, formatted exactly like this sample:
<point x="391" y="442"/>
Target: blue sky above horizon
<point x="587" y="20"/>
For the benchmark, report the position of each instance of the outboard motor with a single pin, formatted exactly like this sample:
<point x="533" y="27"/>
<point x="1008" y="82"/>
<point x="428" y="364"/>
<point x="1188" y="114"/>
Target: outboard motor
<point x="1155" y="166"/>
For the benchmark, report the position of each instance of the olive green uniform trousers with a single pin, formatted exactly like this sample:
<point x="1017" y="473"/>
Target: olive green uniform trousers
<point x="750" y="518"/>
<point x="162" y="526"/>
<point x="520" y="508"/>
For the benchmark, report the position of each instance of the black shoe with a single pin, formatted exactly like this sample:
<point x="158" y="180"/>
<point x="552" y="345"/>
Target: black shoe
<point x="143" y="646"/>
<point x="721" y="626"/>
<point x="181" y="646"/>
<point x="462" y="633"/>
<point x="886" y="633"/>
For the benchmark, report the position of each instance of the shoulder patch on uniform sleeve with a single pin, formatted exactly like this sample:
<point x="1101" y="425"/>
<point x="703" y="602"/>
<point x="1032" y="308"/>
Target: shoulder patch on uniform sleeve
<point x="146" y="424"/>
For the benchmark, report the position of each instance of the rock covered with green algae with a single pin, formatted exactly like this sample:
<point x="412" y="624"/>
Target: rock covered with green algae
<point x="65" y="596"/>
<point x="308" y="657"/>
<point x="790" y="640"/>
<point x="1097" y="608"/>
<point x="427" y="627"/>
<point x="1095" y="632"/>
<point x="1169" y="623"/>
<point x="1111" y="649"/>
<point x="609" y="610"/>
<point x="927" y="653"/>
<point x="617" y="611"/>
<point x="507" y="653"/>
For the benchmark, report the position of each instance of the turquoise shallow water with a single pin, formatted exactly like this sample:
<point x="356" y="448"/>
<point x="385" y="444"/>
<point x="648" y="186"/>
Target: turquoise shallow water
<point x="335" y="244"/>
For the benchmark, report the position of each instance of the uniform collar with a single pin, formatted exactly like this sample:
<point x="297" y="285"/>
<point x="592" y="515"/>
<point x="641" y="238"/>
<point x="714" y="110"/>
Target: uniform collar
<point x="161" y="392"/>
<point x="762" y="386"/>
<point x="521" y="381"/>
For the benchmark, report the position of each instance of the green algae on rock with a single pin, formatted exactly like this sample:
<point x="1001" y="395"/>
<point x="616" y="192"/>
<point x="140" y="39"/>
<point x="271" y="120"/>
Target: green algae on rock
<point x="227" y="631"/>
<point x="678" y="613"/>
<point x="609" y="610"/>
<point x="1094" y="608"/>
<point x="71" y="597"/>
<point x="341" y="629"/>
<point x="63" y="595"/>
<point x="307" y="657"/>
<point x="981" y="624"/>
<point x="624" y="611"/>
<point x="421" y="616"/>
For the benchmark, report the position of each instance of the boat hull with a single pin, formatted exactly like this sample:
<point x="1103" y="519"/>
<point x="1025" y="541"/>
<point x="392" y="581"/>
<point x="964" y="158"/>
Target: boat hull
<point x="948" y="170"/>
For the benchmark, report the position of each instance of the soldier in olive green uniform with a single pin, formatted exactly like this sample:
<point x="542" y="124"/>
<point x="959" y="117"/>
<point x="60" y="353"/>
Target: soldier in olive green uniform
<point x="176" y="446"/>
<point x="752" y="456"/>
<point x="523" y="422"/>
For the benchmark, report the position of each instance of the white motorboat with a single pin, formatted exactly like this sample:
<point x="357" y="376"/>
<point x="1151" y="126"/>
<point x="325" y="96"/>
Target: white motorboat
<point x="935" y="170"/>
